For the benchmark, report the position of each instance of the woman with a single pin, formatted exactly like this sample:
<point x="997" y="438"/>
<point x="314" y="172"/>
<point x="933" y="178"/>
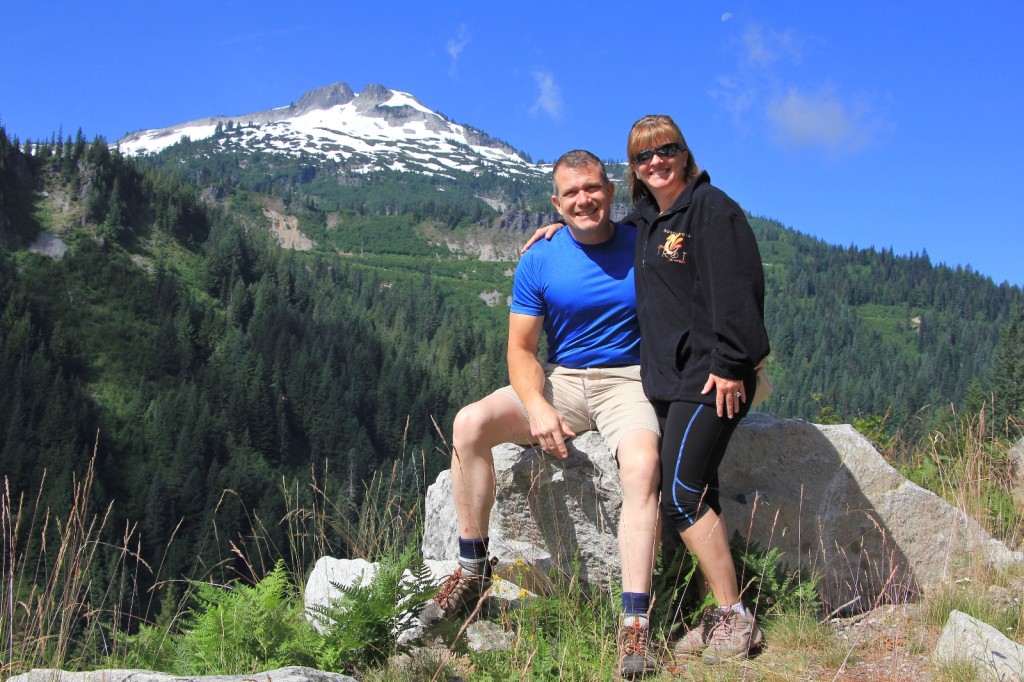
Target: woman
<point x="700" y="302"/>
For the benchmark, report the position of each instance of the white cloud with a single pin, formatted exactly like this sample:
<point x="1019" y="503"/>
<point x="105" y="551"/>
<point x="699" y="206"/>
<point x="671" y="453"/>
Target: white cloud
<point x="455" y="46"/>
<point x="549" y="101"/>
<point x="727" y="16"/>
<point x="819" y="119"/>
<point x="771" y="94"/>
<point x="736" y="95"/>
<point x="760" y="51"/>
<point x="764" y="46"/>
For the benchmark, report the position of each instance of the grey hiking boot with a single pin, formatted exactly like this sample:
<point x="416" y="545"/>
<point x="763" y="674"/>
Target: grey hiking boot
<point x="732" y="636"/>
<point x="695" y="641"/>
<point x="459" y="594"/>
<point x="633" y="642"/>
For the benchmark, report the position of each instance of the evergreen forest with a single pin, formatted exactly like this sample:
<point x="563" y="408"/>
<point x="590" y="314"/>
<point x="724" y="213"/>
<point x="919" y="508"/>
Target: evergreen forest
<point x="203" y="368"/>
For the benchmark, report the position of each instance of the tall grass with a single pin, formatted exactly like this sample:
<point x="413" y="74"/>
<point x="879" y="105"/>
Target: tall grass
<point x="65" y="590"/>
<point x="67" y="594"/>
<point x="967" y="463"/>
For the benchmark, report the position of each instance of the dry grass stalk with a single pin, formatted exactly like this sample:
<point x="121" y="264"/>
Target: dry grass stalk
<point x="56" y="605"/>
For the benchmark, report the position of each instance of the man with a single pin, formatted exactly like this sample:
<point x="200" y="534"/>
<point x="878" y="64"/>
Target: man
<point x="577" y="289"/>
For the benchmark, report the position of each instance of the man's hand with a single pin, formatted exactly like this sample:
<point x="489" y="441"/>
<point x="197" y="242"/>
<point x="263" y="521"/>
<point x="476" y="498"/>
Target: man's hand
<point x="525" y="373"/>
<point x="546" y="232"/>
<point x="549" y="429"/>
<point x="730" y="393"/>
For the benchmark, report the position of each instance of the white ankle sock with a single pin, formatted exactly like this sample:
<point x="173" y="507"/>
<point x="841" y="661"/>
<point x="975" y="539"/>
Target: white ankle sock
<point x="739" y="608"/>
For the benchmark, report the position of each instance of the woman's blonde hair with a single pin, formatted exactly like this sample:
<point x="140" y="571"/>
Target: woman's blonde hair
<point x="649" y="132"/>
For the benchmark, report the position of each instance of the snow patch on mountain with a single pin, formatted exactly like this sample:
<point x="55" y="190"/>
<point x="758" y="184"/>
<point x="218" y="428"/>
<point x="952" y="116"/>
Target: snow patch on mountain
<point x="376" y="129"/>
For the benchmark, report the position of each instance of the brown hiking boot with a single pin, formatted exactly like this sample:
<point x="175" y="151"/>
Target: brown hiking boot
<point x="695" y="640"/>
<point x="732" y="636"/>
<point x="459" y="594"/>
<point x="633" y="643"/>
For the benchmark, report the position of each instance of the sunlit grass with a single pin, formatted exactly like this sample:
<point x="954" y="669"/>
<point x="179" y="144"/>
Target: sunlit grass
<point x="65" y="591"/>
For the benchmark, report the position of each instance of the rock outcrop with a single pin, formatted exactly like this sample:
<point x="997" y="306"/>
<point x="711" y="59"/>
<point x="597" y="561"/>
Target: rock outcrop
<point x="825" y="495"/>
<point x="289" y="674"/>
<point x="1016" y="457"/>
<point x="820" y="494"/>
<point x="329" y="573"/>
<point x="326" y="97"/>
<point x="49" y="244"/>
<point x="993" y="655"/>
<point x="550" y="513"/>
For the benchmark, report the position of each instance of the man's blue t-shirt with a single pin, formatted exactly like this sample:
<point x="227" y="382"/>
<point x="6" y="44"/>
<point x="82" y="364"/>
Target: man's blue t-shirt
<point x="586" y="295"/>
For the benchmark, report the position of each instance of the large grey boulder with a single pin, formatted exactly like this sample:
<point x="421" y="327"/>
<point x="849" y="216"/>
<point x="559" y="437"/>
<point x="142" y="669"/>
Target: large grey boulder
<point x="820" y="494"/>
<point x="1016" y="457"/>
<point x="993" y="655"/>
<point x="823" y="494"/>
<point x="549" y="513"/>
<point x="289" y="674"/>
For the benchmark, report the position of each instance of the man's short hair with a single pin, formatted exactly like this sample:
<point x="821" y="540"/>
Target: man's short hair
<point x="577" y="158"/>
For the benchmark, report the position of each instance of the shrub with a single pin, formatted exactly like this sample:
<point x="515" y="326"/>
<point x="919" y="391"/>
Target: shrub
<point x="237" y="629"/>
<point x="770" y="587"/>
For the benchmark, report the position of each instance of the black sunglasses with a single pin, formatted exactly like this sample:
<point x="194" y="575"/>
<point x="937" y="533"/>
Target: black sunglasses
<point x="665" y="151"/>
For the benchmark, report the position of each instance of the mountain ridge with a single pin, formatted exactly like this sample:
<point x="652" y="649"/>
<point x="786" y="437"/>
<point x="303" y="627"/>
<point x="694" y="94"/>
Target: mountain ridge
<point x="375" y="129"/>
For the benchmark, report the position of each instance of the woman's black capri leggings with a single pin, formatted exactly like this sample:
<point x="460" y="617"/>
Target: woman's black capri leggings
<point x="693" y="441"/>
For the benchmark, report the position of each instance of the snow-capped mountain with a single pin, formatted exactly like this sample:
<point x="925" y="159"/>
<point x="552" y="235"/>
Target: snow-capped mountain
<point x="377" y="128"/>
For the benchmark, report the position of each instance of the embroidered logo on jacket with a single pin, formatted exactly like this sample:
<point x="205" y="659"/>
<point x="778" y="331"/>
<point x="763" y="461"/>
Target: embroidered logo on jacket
<point x="672" y="249"/>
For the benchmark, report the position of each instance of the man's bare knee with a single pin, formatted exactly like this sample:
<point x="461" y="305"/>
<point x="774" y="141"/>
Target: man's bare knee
<point x="468" y="423"/>
<point x="638" y="453"/>
<point x="486" y="423"/>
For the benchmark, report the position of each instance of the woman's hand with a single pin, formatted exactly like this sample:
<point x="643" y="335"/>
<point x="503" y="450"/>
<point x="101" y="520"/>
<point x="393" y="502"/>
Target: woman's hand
<point x="546" y="232"/>
<point x="729" y="394"/>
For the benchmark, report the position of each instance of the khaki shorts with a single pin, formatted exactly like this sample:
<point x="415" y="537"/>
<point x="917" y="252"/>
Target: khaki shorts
<point x="609" y="399"/>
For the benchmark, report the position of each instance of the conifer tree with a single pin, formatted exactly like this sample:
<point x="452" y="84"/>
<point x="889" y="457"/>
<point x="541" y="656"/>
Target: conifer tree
<point x="114" y="223"/>
<point x="1008" y="374"/>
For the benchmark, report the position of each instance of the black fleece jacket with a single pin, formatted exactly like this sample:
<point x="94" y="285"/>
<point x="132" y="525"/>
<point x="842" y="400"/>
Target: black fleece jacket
<point x="700" y="294"/>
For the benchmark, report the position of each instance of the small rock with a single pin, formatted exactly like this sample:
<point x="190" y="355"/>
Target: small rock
<point x="993" y="655"/>
<point x="485" y="636"/>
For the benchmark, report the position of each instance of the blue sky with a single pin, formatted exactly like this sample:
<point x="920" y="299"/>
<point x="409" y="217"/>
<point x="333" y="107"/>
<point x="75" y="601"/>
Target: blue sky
<point x="884" y="124"/>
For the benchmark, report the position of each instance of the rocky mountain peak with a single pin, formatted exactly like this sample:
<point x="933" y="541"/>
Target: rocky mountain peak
<point x="374" y="94"/>
<point x="324" y="98"/>
<point x="377" y="128"/>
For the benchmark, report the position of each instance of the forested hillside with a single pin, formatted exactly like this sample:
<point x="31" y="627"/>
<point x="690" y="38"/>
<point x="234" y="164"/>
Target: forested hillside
<point x="200" y="357"/>
<point x="178" y="340"/>
<point x="860" y="332"/>
<point x="871" y="333"/>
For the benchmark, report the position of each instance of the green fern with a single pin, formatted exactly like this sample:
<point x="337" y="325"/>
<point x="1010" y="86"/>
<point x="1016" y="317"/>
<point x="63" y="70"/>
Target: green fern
<point x="767" y="582"/>
<point x="244" y="629"/>
<point x="764" y="579"/>
<point x="151" y="647"/>
<point x="361" y="628"/>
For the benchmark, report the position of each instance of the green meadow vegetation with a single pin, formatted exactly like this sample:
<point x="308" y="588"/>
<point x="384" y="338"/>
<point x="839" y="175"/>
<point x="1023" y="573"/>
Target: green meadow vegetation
<point x="65" y="610"/>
